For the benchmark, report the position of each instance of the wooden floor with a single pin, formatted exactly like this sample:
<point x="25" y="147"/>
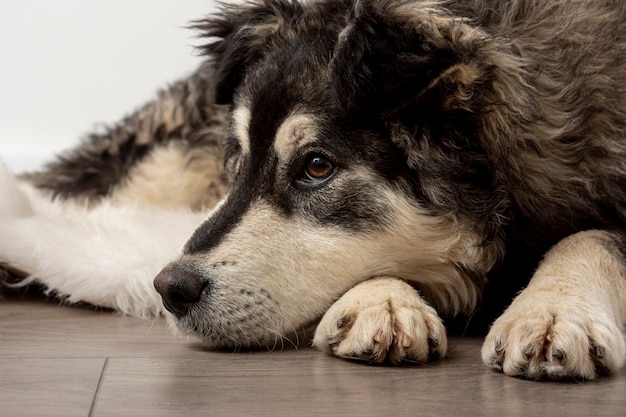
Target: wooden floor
<point x="64" y="361"/>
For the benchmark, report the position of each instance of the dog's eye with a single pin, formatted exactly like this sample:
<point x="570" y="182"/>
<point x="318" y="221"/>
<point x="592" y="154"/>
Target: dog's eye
<point x="317" y="168"/>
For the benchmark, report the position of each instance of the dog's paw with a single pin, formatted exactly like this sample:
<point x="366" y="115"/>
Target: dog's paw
<point x="383" y="319"/>
<point x="540" y="337"/>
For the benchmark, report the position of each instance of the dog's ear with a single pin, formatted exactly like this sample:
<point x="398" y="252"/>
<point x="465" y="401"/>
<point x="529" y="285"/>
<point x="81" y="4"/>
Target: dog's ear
<point x="398" y="54"/>
<point x="241" y="34"/>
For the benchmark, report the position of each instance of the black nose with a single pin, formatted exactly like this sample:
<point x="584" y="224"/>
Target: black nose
<point x="179" y="289"/>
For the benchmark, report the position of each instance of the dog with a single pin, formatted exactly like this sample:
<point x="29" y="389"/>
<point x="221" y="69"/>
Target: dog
<point x="387" y="164"/>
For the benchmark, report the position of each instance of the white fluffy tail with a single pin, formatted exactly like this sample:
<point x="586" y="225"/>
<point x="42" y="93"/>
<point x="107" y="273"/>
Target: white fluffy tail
<point x="12" y="201"/>
<point x="106" y="255"/>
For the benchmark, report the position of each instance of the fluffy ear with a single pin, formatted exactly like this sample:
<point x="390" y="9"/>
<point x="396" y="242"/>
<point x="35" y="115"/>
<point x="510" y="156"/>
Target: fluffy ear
<point x="241" y="34"/>
<point x="396" y="54"/>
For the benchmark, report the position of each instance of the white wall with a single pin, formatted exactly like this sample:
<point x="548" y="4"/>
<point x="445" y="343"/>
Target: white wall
<point x="67" y="65"/>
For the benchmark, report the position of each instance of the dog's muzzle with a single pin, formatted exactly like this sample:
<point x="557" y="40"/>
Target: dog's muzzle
<point x="179" y="289"/>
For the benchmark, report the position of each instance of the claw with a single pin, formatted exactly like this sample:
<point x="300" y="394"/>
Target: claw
<point x="379" y="336"/>
<point x="405" y="341"/>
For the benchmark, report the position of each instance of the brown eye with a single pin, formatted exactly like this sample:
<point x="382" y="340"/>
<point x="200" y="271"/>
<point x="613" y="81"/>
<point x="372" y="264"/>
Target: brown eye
<point x="318" y="168"/>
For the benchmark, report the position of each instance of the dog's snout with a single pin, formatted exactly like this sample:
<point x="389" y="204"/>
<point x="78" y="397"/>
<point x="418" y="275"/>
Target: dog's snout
<point x="179" y="289"/>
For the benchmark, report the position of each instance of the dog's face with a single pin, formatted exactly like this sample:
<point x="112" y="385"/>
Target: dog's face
<point x="330" y="185"/>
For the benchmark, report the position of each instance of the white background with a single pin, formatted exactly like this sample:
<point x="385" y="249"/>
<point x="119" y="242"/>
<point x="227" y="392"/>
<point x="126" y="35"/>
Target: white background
<point x="68" y="65"/>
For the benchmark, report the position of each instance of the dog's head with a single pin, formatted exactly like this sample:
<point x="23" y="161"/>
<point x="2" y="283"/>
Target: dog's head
<point x="352" y="153"/>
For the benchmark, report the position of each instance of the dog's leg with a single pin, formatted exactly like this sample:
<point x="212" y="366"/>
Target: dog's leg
<point x="167" y="153"/>
<point x="383" y="319"/>
<point x="107" y="256"/>
<point x="568" y="322"/>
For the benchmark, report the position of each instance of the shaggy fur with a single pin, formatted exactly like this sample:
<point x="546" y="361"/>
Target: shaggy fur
<point x="387" y="163"/>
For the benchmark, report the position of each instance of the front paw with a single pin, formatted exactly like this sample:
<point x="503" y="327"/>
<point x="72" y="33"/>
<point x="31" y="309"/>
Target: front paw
<point x="543" y="338"/>
<point x="383" y="319"/>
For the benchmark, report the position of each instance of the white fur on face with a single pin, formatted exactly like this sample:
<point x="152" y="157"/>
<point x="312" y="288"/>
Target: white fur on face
<point x="272" y="275"/>
<point x="240" y="124"/>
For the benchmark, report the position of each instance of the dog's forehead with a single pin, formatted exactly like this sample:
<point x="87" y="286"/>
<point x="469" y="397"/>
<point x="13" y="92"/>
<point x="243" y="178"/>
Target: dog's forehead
<point x="279" y="98"/>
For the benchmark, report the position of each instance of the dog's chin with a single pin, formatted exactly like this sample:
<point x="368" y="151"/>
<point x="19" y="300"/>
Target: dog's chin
<point x="213" y="334"/>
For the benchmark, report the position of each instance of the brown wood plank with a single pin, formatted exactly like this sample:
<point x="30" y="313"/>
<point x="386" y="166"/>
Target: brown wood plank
<point x="48" y="386"/>
<point x="308" y="383"/>
<point x="52" y="358"/>
<point x="33" y="327"/>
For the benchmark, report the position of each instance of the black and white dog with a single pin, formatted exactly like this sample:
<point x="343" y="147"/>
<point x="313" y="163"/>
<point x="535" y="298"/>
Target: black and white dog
<point x="385" y="162"/>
